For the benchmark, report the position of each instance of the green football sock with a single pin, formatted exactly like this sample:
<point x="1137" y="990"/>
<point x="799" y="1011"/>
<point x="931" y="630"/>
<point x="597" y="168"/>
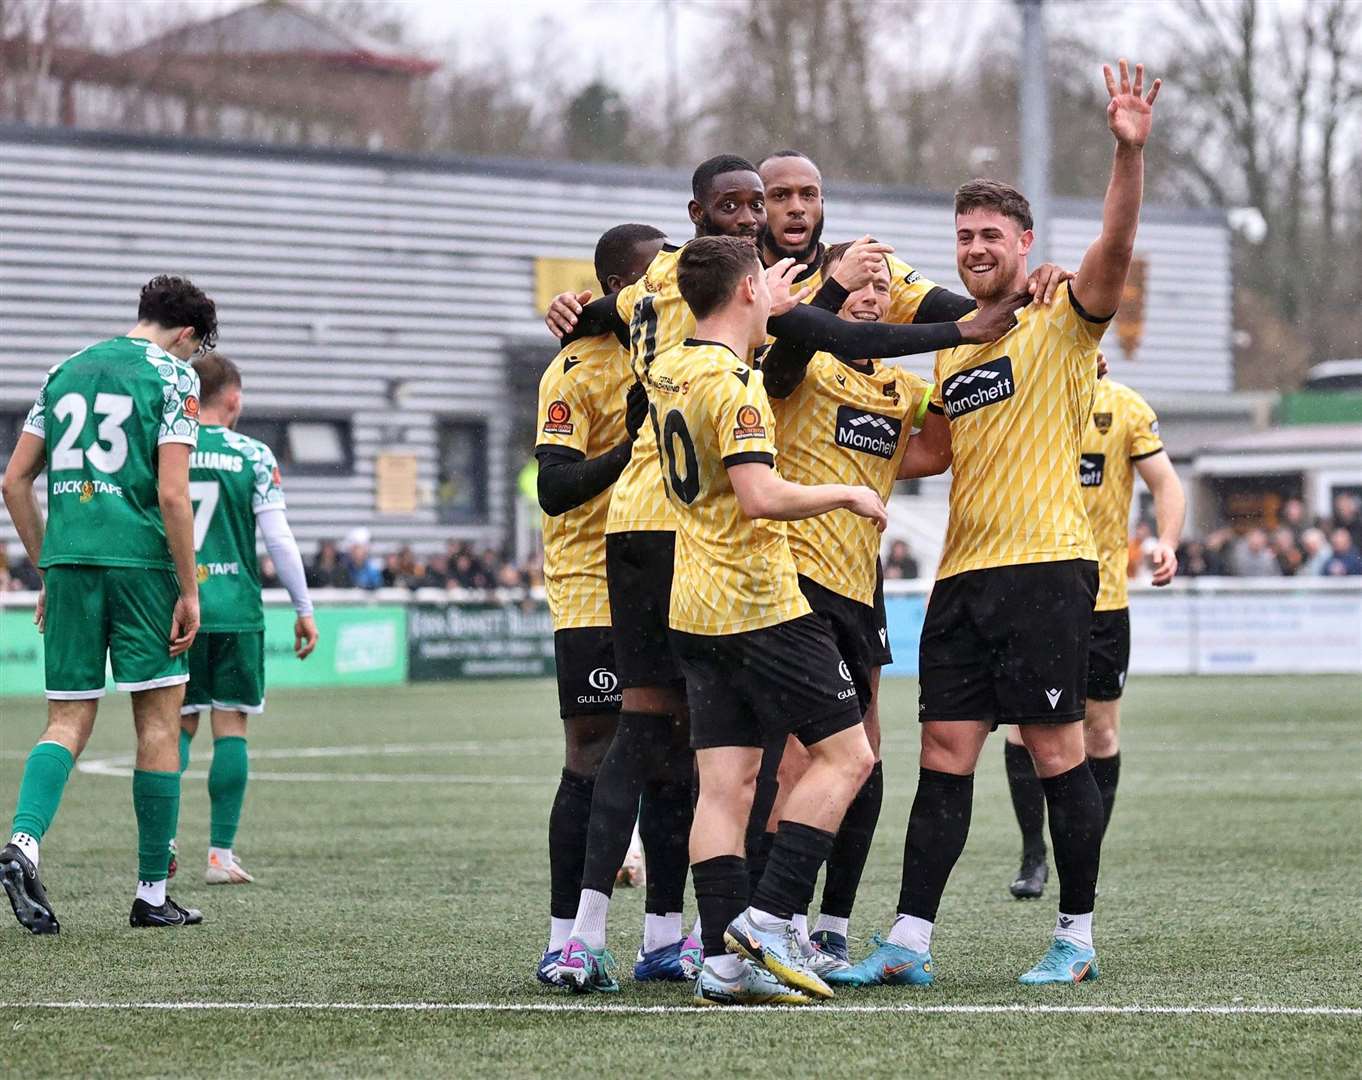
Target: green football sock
<point x="226" y="789"/>
<point x="185" y="740"/>
<point x="45" y="773"/>
<point x="156" y="801"/>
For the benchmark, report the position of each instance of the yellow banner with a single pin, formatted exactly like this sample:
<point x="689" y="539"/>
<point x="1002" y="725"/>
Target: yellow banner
<point x="554" y="276"/>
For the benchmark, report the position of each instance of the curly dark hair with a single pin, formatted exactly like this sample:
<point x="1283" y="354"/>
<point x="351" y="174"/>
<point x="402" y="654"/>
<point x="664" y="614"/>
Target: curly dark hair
<point x="175" y="301"/>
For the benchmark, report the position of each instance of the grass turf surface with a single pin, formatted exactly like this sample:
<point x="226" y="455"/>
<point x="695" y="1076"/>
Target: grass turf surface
<point x="398" y="840"/>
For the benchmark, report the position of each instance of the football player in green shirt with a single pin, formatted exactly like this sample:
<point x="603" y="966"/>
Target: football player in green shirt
<point x="114" y="426"/>
<point x="235" y="486"/>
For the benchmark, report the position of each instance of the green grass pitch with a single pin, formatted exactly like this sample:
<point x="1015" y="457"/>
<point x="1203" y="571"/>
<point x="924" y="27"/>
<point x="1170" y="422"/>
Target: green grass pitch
<point x="398" y="838"/>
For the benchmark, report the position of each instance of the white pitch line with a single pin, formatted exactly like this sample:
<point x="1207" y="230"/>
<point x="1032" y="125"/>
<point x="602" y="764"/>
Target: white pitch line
<point x="666" y="1010"/>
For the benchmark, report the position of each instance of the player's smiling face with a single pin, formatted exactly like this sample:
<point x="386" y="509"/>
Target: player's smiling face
<point x="734" y="206"/>
<point x="794" y="207"/>
<point x="990" y="252"/>
<point x="870" y="303"/>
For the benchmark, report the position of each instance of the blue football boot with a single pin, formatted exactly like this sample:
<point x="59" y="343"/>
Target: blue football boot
<point x="1063" y="962"/>
<point x="888" y="965"/>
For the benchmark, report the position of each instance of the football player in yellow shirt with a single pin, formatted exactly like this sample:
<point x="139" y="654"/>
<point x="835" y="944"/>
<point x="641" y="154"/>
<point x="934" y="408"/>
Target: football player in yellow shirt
<point x="1120" y="439"/>
<point x="583" y="442"/>
<point x="1006" y="636"/>
<point x="758" y="664"/>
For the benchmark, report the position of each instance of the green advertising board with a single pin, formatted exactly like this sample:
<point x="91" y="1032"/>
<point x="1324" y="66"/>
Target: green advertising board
<point x="459" y="641"/>
<point x="360" y="645"/>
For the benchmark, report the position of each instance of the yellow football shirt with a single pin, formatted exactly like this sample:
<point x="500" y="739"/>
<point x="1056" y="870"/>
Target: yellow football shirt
<point x="658" y="318"/>
<point x="710" y="412"/>
<point x="1123" y="429"/>
<point x="845" y="424"/>
<point x="1017" y="408"/>
<point x="581" y="410"/>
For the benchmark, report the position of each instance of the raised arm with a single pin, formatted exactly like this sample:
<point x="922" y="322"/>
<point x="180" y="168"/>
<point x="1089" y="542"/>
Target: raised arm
<point x="1130" y="116"/>
<point x="571" y="317"/>
<point x="567" y="479"/>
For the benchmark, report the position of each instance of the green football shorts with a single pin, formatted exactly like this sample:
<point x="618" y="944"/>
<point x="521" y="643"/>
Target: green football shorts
<point x="123" y="612"/>
<point x="226" y="671"/>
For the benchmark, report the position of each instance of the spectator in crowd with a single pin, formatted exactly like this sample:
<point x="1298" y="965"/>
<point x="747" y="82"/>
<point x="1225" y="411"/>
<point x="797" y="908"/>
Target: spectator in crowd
<point x="900" y="563"/>
<point x="366" y="570"/>
<point x="328" y="569"/>
<point x="435" y="574"/>
<point x="1218" y="545"/>
<point x="1192" y="559"/>
<point x="1285" y="547"/>
<point x="1347" y="516"/>
<point x="1252" y="556"/>
<point x="1345" y="557"/>
<point x="1315" y="551"/>
<point x="1293" y="518"/>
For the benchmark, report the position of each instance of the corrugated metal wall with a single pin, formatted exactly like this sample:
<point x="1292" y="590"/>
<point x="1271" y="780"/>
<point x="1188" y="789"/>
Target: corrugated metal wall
<point x="338" y="276"/>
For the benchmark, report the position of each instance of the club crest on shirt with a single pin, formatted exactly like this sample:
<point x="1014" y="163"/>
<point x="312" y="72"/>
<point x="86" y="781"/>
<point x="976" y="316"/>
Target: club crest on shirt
<point x="1102" y="422"/>
<point x="556" y="422"/>
<point x="867" y="432"/>
<point x="749" y="424"/>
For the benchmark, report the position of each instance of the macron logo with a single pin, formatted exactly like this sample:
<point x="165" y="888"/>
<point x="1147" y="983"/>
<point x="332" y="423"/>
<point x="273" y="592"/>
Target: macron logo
<point x="1054" y="696"/>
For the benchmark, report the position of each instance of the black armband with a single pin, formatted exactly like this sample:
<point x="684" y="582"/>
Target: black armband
<point x="822" y="331"/>
<point x="567" y="479"/>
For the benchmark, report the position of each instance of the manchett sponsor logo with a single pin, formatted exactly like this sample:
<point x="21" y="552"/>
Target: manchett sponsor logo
<point x="1091" y="469"/>
<point x="988" y="384"/>
<point x="868" y="432"/>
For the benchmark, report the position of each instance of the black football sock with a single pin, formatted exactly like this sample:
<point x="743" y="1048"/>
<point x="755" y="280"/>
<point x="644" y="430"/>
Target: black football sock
<point x="758" y="852"/>
<point x="567" y="842"/>
<point x="938" y="825"/>
<point x="1075" y="807"/>
<point x="664" y="823"/>
<point x="1028" y="799"/>
<point x="791" y="874"/>
<point x="763" y="801"/>
<point x="852" y="847"/>
<point x="639" y="745"/>
<point x="1107" y="772"/>
<point x="720" y="895"/>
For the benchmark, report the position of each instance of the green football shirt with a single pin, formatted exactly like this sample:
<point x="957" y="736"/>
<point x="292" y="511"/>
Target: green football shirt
<point x="232" y="478"/>
<point x="103" y="412"/>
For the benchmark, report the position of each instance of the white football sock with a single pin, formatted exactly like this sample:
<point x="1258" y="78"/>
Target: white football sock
<point x="728" y="966"/>
<point x="224" y="855"/>
<point x="559" y="931"/>
<point x="764" y="920"/>
<point x="589" y="926"/>
<point x="833" y="924"/>
<point x="153" y="892"/>
<point x="911" y="933"/>
<point x="1075" y="928"/>
<point x="27" y="844"/>
<point x="801" y="927"/>
<point x="660" y="930"/>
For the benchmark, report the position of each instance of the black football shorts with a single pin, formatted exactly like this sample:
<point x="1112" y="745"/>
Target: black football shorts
<point x="1108" y="654"/>
<point x="638" y="574"/>
<point x="587" y="681"/>
<point x="1009" y="644"/>
<point x="850" y="624"/>
<point x="751" y="688"/>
